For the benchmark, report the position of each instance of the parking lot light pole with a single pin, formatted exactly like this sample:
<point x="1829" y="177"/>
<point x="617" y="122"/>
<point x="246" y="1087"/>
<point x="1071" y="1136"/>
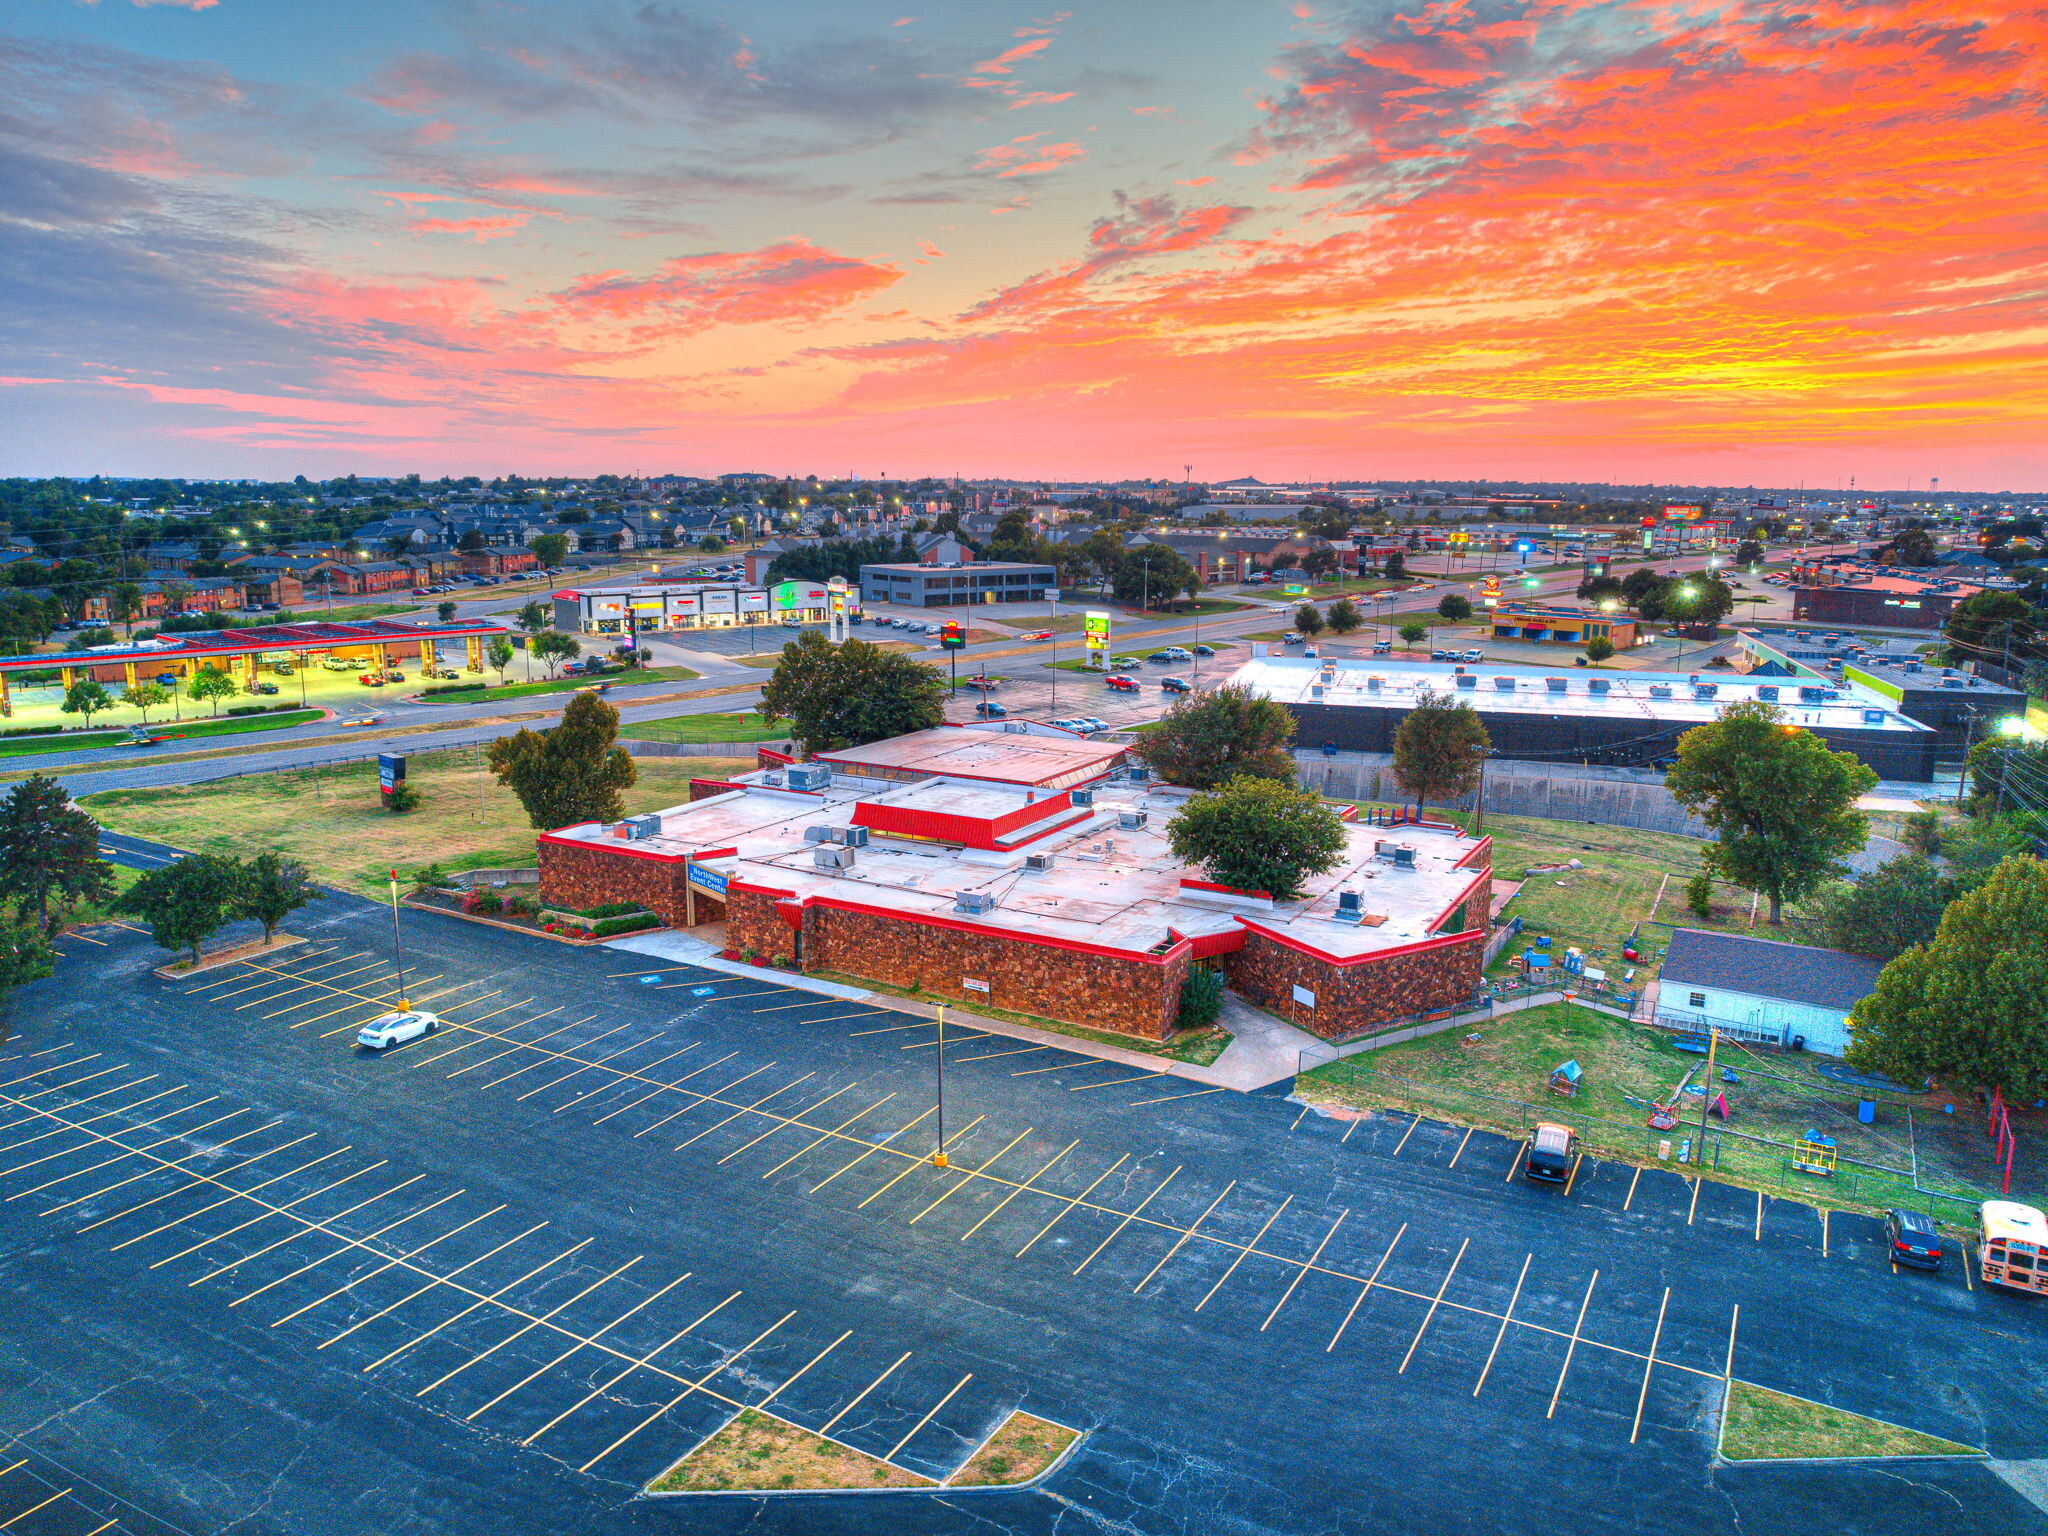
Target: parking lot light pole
<point x="939" y="1159"/>
<point x="398" y="944"/>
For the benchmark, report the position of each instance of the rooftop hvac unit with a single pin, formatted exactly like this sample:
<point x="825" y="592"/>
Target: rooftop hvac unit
<point x="1130" y="821"/>
<point x="1315" y="690"/>
<point x="1374" y="684"/>
<point x="1598" y="684"/>
<point x="809" y="776"/>
<point x="1768" y="693"/>
<point x="1910" y="666"/>
<point x="854" y="837"/>
<point x="1873" y="717"/>
<point x="821" y="834"/>
<point x="1466" y="680"/>
<point x="1037" y="863"/>
<point x="773" y="780"/>
<point x="638" y="827"/>
<point x="1814" y="695"/>
<point x="1404" y="858"/>
<point x="1139" y="773"/>
<point x="1015" y="728"/>
<point x="974" y="902"/>
<point x="1350" y="907"/>
<point x="1660" y="690"/>
<point x="1504" y="685"/>
<point x="1555" y="684"/>
<point x="1705" y="690"/>
<point x="1951" y="682"/>
<point x="1081" y="797"/>
<point x="828" y="856"/>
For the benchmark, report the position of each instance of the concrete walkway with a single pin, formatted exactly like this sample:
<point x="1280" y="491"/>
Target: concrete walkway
<point x="1263" y="1048"/>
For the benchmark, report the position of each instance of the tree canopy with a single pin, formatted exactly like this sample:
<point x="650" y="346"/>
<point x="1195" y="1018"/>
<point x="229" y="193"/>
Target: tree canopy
<point x="1882" y="915"/>
<point x="1208" y="738"/>
<point x="186" y="901"/>
<point x="1969" y="1008"/>
<point x="1440" y="749"/>
<point x="1258" y="835"/>
<point x="1989" y="626"/>
<point x="848" y="695"/>
<point x="49" y="848"/>
<point x="1782" y="805"/>
<point x="569" y="775"/>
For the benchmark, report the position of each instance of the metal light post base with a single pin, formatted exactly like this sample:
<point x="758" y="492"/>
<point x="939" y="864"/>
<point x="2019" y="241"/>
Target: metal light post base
<point x="940" y="1160"/>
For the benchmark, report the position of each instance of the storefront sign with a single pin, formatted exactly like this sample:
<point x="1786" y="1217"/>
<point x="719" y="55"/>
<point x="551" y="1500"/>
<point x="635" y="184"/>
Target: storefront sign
<point x="1097" y="625"/>
<point x="969" y="984"/>
<point x="708" y="880"/>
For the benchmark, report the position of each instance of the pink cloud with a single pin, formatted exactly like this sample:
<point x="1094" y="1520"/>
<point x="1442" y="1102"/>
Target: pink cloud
<point x="1000" y="64"/>
<point x="479" y="229"/>
<point x="1024" y="156"/>
<point x="1040" y="99"/>
<point x="790" y="281"/>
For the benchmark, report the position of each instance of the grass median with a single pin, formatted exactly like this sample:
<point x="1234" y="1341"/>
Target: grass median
<point x="488" y="693"/>
<point x="32" y="746"/>
<point x="747" y="727"/>
<point x="332" y="817"/>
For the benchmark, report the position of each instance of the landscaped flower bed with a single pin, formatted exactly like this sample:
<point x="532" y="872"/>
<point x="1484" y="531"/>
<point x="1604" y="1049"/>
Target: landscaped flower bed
<point x="523" y="909"/>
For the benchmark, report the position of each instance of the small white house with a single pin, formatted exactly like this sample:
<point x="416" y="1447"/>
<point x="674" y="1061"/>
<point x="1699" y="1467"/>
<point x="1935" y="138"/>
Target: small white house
<point x="1762" y="990"/>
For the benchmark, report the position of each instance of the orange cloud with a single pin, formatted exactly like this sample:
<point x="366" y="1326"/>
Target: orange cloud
<point x="1024" y="156"/>
<point x="479" y="229"/>
<point x="1000" y="64"/>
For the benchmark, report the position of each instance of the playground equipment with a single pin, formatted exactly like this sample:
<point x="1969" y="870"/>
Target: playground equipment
<point x="1815" y="1154"/>
<point x="1564" y="1080"/>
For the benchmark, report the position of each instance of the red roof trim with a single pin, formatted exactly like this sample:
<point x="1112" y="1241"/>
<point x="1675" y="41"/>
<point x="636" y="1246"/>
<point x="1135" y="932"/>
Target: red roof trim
<point x="1233" y="890"/>
<point x="1463" y="896"/>
<point x="1435" y="941"/>
<point x="621" y="847"/>
<point x="956" y="925"/>
<point x="1483" y="849"/>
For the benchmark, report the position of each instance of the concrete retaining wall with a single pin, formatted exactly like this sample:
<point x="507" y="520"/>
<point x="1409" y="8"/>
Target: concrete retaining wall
<point x="741" y="749"/>
<point x="1614" y="797"/>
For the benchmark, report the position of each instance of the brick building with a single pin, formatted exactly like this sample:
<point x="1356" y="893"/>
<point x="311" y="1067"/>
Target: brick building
<point x="1029" y="870"/>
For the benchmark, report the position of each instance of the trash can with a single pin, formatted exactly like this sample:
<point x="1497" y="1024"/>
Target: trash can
<point x="1866" y="1111"/>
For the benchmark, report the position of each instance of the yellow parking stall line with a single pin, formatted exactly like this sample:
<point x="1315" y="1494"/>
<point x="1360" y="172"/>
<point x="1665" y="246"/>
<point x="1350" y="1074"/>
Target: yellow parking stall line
<point x="1572" y="1348"/>
<point x="1515" y="1162"/>
<point x="1020" y="1188"/>
<point x="658" y="1089"/>
<point x="62" y="1066"/>
<point x="435" y="997"/>
<point x="722" y="1365"/>
<point x="541" y="1056"/>
<point x="289" y="1236"/>
<point x="1356" y="1122"/>
<point x="88" y="938"/>
<point x="1078" y="1061"/>
<point x="99" y="1529"/>
<point x="354" y="1001"/>
<point x="603" y="1087"/>
<point x="1461" y="1149"/>
<point x="1022" y="1050"/>
<point x="861" y="1396"/>
<point x="1759" y="1215"/>
<point x="714" y="1097"/>
<point x="821" y="1354"/>
<point x="892" y="1029"/>
<point x="473" y="1001"/>
<point x="871" y="1151"/>
<point x="1142" y="1077"/>
<point x="307" y="985"/>
<point x="1505" y="1318"/>
<point x="15" y="1468"/>
<point x="1434" y="1302"/>
<point x="781" y="1125"/>
<point x="962" y="1038"/>
<point x="827" y="1135"/>
<point x="1417" y="1120"/>
<point x="266" y="1215"/>
<point x="1302" y="1273"/>
<point x="920" y="1424"/>
<point x="516" y="1045"/>
<point x="968" y="1178"/>
<point x="91" y="1098"/>
<point x="660" y="970"/>
<point x="1648" y="1365"/>
<point x="1631" y="1190"/>
<point x="1298" y="1119"/>
<point x="511" y="1338"/>
<point x="911" y="1166"/>
<point x="53" y="1498"/>
<point x="1070" y="1204"/>
<point x="467" y="1045"/>
<point x="809" y="1002"/>
<point x="410" y="1253"/>
<point x="1824" y="1234"/>
<point x="863" y="1013"/>
<point x="1195" y="1094"/>
<point x="1694" y="1204"/>
<point x="127" y="1152"/>
<point x="1181" y="1241"/>
<point x="348" y="1245"/>
<point x="637" y="1307"/>
<point x="631" y="1366"/>
<point x="224" y="1199"/>
<point x="743" y="1110"/>
<point x="631" y="1045"/>
<point x="1247" y="1248"/>
<point x="73" y="1125"/>
<point x="1369" y="1284"/>
<point x="1133" y="1216"/>
<point x="481" y="1301"/>
<point x="1728" y="1370"/>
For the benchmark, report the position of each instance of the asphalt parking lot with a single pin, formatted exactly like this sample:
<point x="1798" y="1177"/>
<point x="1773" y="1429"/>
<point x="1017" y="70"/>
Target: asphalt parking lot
<point x="497" y="1279"/>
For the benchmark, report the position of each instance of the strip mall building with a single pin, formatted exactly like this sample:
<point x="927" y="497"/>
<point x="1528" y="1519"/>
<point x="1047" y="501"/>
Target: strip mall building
<point x="1028" y="870"/>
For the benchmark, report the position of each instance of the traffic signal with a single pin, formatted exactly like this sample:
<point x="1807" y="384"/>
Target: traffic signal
<point x="951" y="636"/>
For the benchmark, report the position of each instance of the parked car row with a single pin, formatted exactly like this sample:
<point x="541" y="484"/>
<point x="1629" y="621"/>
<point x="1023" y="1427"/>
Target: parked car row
<point x="1085" y="725"/>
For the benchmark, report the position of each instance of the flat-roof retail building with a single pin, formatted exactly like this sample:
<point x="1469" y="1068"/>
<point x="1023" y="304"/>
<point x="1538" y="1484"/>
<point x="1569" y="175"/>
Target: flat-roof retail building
<point x="1846" y="593"/>
<point x="1029" y="870"/>
<point x="1560" y="626"/>
<point x="1617" y="719"/>
<point x="655" y="605"/>
<point x="974" y="581"/>
<point x="1958" y="706"/>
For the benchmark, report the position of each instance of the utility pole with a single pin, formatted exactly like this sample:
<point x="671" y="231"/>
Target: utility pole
<point x="939" y="1159"/>
<point x="1706" y="1096"/>
<point x="397" y="944"/>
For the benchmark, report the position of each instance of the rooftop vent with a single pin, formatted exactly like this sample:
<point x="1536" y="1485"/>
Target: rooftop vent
<point x="1015" y="728"/>
<point x="1705" y="690"/>
<point x="1598" y="684"/>
<point x="1910" y="666"/>
<point x="1350" y="907"/>
<point x="821" y="834"/>
<point x="1815" y="695"/>
<point x="1952" y="682"/>
<point x="1374" y="684"/>
<point x="1660" y="690"/>
<point x="809" y="776"/>
<point x="637" y="827"/>
<point x="1315" y="690"/>
<point x="1504" y="685"/>
<point x="1465" y="680"/>
<point x="973" y="902"/>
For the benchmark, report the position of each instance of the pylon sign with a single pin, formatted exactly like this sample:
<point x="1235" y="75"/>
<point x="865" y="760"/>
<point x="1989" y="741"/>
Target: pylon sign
<point x="952" y="636"/>
<point x="1097" y="631"/>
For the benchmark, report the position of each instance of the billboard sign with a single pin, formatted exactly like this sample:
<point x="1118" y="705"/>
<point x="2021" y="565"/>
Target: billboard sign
<point x="1097" y="631"/>
<point x="390" y="772"/>
<point x="952" y="636"/>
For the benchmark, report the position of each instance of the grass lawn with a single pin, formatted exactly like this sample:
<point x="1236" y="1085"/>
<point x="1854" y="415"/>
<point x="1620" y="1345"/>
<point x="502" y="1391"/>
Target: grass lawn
<point x="344" y="614"/>
<point x="486" y="694"/>
<point x="1759" y="1425"/>
<point x="330" y="817"/>
<point x="1019" y="1451"/>
<point x="758" y="1450"/>
<point x="704" y="728"/>
<point x="29" y="746"/>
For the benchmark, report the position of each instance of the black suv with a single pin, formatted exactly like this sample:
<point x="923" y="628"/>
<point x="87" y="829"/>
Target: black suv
<point x="1914" y="1239"/>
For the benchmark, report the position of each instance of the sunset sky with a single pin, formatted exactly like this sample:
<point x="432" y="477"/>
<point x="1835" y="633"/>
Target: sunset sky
<point x="1770" y="243"/>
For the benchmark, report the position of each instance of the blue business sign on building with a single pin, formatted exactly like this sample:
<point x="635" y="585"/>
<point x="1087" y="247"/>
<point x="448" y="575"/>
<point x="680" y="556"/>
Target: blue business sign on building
<point x="708" y="880"/>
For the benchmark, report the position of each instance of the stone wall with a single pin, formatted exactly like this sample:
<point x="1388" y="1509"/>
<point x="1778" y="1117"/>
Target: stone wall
<point x="590" y="877"/>
<point x="1354" y="997"/>
<point x="753" y="923"/>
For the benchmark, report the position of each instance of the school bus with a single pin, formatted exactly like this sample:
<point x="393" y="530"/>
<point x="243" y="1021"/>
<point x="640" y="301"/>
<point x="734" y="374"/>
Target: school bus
<point x="2013" y="1252"/>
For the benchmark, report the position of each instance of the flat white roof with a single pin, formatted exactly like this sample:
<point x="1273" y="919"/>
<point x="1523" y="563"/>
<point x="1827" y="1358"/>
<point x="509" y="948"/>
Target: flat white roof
<point x="1391" y="682"/>
<point x="1003" y="757"/>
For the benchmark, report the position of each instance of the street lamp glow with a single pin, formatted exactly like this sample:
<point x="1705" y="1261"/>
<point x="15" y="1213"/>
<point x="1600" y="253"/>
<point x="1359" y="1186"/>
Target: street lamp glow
<point x="2011" y="725"/>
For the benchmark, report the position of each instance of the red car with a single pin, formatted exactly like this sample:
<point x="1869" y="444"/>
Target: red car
<point x="1122" y="684"/>
<point x="1042" y="634"/>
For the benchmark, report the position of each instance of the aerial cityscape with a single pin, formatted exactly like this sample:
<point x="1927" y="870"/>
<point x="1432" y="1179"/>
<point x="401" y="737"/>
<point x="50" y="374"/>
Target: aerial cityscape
<point x="1250" y="769"/>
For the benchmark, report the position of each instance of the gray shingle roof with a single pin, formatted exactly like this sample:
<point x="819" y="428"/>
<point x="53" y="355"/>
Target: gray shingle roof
<point x="1792" y="973"/>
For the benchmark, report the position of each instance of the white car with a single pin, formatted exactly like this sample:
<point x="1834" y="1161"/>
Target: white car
<point x="391" y="1029"/>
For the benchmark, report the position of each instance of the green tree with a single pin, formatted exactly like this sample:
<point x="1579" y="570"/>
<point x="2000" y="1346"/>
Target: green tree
<point x="1910" y="546"/>
<point x="553" y="648"/>
<point x="534" y="617"/>
<point x="1308" y="620"/>
<point x="1781" y="804"/>
<point x="147" y="696"/>
<point x="1440" y="748"/>
<point x="1884" y="914"/>
<point x="711" y="544"/>
<point x="1201" y="997"/>
<point x="445" y="611"/>
<point x="86" y="697"/>
<point x="1600" y="589"/>
<point x="499" y="654"/>
<point x="1749" y="552"/>
<point x="187" y="901"/>
<point x="1969" y="1009"/>
<point x="1344" y="617"/>
<point x="737" y="525"/>
<point x="25" y="955"/>
<point x="1320" y="563"/>
<point x="404" y="797"/>
<point x="1412" y="631"/>
<point x="1599" y="648"/>
<point x="1699" y="896"/>
<point x="1639" y="586"/>
<point x="208" y="684"/>
<point x="1258" y="835"/>
<point x="1396" y="568"/>
<point x="472" y="541"/>
<point x="851" y="694"/>
<point x="1154" y="574"/>
<point x="1989" y="626"/>
<point x="1207" y="739"/>
<point x="1696" y="600"/>
<point x="273" y="888"/>
<point x="124" y="605"/>
<point x="49" y="848"/>
<point x="1453" y="607"/>
<point x="549" y="548"/>
<point x="572" y="774"/>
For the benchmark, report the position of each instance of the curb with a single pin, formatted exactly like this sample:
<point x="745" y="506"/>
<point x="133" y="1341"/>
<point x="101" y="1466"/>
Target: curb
<point x="210" y="959"/>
